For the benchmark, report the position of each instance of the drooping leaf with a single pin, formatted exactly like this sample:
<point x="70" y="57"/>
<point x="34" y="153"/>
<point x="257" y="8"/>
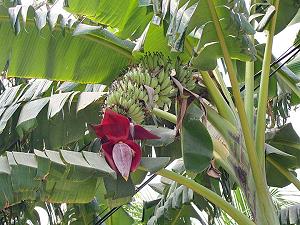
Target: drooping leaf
<point x="57" y="177"/>
<point x="196" y="142"/>
<point x="26" y="109"/>
<point x="154" y="164"/>
<point x="167" y="136"/>
<point x="173" y="208"/>
<point x="287" y="11"/>
<point x="27" y="118"/>
<point x="287" y="140"/>
<point x="64" y="128"/>
<point x="87" y="98"/>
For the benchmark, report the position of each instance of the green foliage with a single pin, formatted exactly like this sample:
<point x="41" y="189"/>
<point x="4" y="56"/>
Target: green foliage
<point x="126" y="16"/>
<point x="286" y="12"/>
<point x="51" y="176"/>
<point x="95" y="45"/>
<point x="35" y="114"/>
<point x="58" y="55"/>
<point x="177" y="204"/>
<point x="81" y="58"/>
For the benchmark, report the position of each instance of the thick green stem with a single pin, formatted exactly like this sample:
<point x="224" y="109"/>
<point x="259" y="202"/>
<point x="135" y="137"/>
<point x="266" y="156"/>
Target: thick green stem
<point x="263" y="92"/>
<point x="220" y="102"/>
<point x="249" y="93"/>
<point x="263" y="197"/>
<point x="164" y="115"/>
<point x="288" y="175"/>
<point x="249" y="88"/>
<point x="238" y="216"/>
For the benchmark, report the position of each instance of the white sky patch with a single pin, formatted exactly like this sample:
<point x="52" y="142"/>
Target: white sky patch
<point x="43" y="215"/>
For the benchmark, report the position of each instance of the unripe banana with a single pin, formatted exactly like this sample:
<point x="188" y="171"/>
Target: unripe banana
<point x="147" y="79"/>
<point x="136" y="93"/>
<point x="142" y="78"/>
<point x="145" y="99"/>
<point x="134" y="109"/>
<point x="161" y="76"/>
<point x="157" y="89"/>
<point x="165" y="83"/>
<point x="191" y="84"/>
<point x="161" y="60"/>
<point x="166" y="91"/>
<point x="141" y="94"/>
<point x="155" y="98"/>
<point x="135" y="77"/>
<point x="139" y="117"/>
<point x="164" y="99"/>
<point x="154" y="82"/>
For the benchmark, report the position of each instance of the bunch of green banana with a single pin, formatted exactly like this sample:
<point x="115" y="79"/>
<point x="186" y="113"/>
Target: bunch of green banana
<point x="130" y="94"/>
<point x="184" y="74"/>
<point x="152" y="61"/>
<point x="124" y="99"/>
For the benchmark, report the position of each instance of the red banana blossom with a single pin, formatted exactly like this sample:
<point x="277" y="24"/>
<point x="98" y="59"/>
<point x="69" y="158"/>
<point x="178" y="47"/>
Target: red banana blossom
<point x="117" y="135"/>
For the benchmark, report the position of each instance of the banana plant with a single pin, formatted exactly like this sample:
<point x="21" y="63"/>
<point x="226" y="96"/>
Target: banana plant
<point x="176" y="91"/>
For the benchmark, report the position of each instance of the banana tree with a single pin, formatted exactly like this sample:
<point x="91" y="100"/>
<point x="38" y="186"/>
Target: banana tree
<point x="160" y="62"/>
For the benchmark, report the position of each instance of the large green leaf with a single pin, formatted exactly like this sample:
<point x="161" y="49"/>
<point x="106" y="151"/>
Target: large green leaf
<point x="126" y="15"/>
<point x="97" y="57"/>
<point x="196" y="142"/>
<point x="186" y="18"/>
<point x="274" y="178"/>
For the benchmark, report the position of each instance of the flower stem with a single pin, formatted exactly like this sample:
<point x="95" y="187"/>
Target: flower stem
<point x="263" y="92"/>
<point x="238" y="216"/>
<point x="164" y="115"/>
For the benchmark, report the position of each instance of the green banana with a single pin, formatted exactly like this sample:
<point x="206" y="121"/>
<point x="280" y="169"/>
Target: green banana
<point x="129" y="96"/>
